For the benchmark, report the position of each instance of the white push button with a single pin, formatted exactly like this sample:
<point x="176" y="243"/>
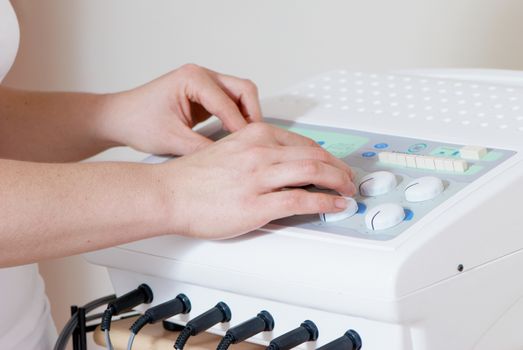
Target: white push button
<point x="424" y="162"/>
<point x="377" y="183"/>
<point x="460" y="166"/>
<point x="423" y="189"/>
<point x="384" y="216"/>
<point x="352" y="208"/>
<point x="472" y="152"/>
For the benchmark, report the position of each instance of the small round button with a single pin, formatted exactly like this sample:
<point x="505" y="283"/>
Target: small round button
<point x="352" y="208"/>
<point x="377" y="183"/>
<point x="368" y="154"/>
<point x="423" y="189"/>
<point x="418" y="147"/>
<point x="384" y="216"/>
<point x="381" y="145"/>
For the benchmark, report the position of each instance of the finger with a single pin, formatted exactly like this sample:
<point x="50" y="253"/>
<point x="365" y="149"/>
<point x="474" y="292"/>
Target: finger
<point x="294" y="153"/>
<point x="306" y="172"/>
<point x="287" y="138"/>
<point x="216" y="101"/>
<point x="245" y="93"/>
<point x="281" y="204"/>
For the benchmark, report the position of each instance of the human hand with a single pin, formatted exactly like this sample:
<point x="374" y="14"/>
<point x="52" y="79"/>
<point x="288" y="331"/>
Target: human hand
<point x="158" y="117"/>
<point x="244" y="181"/>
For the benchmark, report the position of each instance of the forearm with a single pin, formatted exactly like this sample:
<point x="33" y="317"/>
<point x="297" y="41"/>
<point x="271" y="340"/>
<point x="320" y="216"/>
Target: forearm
<point x="52" y="127"/>
<point x="53" y="210"/>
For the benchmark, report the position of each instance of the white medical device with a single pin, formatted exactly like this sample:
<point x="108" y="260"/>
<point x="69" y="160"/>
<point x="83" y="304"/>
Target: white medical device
<point x="426" y="257"/>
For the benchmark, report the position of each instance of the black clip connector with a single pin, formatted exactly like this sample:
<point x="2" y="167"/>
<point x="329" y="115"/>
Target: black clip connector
<point x="351" y="340"/>
<point x="307" y="331"/>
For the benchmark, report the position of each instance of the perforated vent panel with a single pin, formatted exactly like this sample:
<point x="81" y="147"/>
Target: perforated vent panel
<point x="450" y="110"/>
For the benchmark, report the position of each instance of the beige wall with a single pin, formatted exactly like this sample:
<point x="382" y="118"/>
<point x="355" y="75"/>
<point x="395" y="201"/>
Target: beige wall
<point x="101" y="45"/>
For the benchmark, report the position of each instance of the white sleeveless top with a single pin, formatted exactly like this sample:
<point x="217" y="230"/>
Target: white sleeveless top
<point x="25" y="319"/>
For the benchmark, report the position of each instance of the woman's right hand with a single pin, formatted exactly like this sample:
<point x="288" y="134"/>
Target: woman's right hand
<point x="245" y="180"/>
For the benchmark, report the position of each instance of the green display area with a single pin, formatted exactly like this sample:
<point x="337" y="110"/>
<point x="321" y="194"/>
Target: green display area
<point x="339" y="145"/>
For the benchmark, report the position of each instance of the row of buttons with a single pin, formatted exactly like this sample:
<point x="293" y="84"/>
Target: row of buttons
<point x="387" y="215"/>
<point x="424" y="162"/>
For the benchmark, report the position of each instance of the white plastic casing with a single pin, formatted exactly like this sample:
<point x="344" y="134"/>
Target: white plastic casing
<point x="450" y="281"/>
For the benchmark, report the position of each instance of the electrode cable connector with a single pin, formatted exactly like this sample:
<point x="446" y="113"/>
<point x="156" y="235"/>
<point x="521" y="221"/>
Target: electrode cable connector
<point x="218" y="314"/>
<point x="351" y="340"/>
<point x="141" y="295"/>
<point x="307" y="331"/>
<point x="179" y="305"/>
<point x="263" y="322"/>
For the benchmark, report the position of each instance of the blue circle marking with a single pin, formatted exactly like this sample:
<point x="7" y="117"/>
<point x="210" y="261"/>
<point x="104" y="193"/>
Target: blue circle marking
<point x="417" y="147"/>
<point x="321" y="143"/>
<point x="368" y="154"/>
<point x="361" y="208"/>
<point x="408" y="214"/>
<point x="381" y="145"/>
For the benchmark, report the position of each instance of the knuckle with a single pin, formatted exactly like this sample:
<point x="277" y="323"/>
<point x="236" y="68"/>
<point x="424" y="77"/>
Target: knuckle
<point x="320" y="154"/>
<point x="250" y="86"/>
<point x="310" y="167"/>
<point x="191" y="69"/>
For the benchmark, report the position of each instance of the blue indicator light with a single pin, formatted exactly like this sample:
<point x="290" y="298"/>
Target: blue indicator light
<point x="321" y="143"/>
<point x="368" y="154"/>
<point x="381" y="145"/>
<point x="361" y="208"/>
<point x="408" y="214"/>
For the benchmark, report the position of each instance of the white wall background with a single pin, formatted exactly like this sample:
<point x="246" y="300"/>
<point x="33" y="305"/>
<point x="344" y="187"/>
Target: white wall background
<point x="100" y="45"/>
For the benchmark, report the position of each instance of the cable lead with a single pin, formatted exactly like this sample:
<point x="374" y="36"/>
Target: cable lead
<point x="180" y="304"/>
<point x="263" y="322"/>
<point x="142" y="294"/>
<point x="217" y="314"/>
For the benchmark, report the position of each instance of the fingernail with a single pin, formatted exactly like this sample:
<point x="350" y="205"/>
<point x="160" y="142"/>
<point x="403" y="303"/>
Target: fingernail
<point x="340" y="203"/>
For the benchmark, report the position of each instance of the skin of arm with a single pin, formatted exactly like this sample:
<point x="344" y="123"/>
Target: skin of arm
<point x="49" y="208"/>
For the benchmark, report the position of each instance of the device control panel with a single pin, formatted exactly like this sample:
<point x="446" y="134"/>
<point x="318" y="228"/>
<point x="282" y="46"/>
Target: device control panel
<point x="399" y="179"/>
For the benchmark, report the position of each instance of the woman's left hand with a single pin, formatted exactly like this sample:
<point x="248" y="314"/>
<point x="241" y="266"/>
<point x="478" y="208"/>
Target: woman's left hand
<point x="158" y="117"/>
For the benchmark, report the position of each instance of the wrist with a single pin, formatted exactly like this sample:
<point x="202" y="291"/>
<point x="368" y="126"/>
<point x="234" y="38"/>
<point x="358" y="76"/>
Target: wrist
<point x="170" y="193"/>
<point x="109" y="122"/>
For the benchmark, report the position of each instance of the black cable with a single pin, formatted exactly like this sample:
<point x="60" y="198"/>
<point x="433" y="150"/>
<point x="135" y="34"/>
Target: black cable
<point x="261" y="323"/>
<point x="141" y="295"/>
<point x="178" y="305"/>
<point x="183" y="337"/>
<point x="67" y="331"/>
<point x="226" y="341"/>
<point x="307" y="331"/>
<point x="351" y="340"/>
<point x="219" y="313"/>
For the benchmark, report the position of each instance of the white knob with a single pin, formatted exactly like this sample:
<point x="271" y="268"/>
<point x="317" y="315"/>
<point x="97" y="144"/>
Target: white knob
<point x="377" y="183"/>
<point x="423" y="189"/>
<point x="384" y="216"/>
<point x="352" y="208"/>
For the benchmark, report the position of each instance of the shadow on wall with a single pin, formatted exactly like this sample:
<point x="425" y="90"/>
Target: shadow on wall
<point x="107" y="46"/>
<point x="47" y="58"/>
<point x="502" y="48"/>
